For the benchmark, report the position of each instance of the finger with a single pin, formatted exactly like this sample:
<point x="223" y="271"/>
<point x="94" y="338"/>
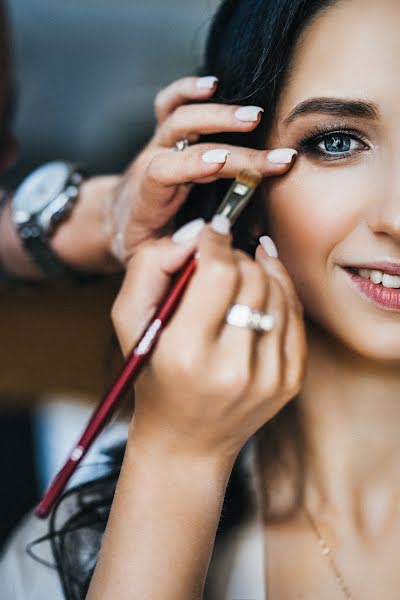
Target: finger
<point x="148" y="277"/>
<point x="203" y="163"/>
<point x="168" y="168"/>
<point x="196" y="119"/>
<point x="269" y="353"/>
<point x="165" y="187"/>
<point x="279" y="271"/>
<point x="253" y="292"/>
<point x="249" y="158"/>
<point x="213" y="287"/>
<point x="181" y="91"/>
<point x="295" y="352"/>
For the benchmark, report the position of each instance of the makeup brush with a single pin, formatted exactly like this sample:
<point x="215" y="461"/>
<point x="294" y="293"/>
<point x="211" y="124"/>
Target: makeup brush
<point x="231" y="207"/>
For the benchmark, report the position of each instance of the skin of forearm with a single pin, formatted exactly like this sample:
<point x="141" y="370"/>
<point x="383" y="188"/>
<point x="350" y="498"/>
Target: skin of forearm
<point x="81" y="241"/>
<point x="161" y="530"/>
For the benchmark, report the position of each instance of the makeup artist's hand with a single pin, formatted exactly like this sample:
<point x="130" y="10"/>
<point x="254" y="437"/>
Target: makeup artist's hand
<point x="114" y="214"/>
<point x="144" y="202"/>
<point x="209" y="386"/>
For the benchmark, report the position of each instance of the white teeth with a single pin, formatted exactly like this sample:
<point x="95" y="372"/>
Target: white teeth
<point x="376" y="276"/>
<point x="388" y="281"/>
<point x="391" y="281"/>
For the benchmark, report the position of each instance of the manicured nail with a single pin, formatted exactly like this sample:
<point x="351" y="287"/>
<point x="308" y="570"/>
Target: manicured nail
<point x="269" y="246"/>
<point x="220" y="224"/>
<point x="218" y="155"/>
<point x="248" y="113"/>
<point x="282" y="155"/>
<point x="206" y="83"/>
<point x="188" y="231"/>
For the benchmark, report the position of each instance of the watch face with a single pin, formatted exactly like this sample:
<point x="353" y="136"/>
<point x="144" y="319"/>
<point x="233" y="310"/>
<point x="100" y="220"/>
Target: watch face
<point x="38" y="189"/>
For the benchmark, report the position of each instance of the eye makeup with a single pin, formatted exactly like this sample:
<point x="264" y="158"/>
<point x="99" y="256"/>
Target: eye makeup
<point x="333" y="142"/>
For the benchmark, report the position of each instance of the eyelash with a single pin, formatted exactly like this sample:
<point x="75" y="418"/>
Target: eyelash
<point x="308" y="144"/>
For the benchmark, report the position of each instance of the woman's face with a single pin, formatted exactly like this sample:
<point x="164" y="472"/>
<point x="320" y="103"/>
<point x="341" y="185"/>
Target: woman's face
<point x="340" y="204"/>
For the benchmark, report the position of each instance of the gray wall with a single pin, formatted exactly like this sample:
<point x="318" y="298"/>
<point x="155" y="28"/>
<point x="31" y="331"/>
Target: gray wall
<point x="88" y="71"/>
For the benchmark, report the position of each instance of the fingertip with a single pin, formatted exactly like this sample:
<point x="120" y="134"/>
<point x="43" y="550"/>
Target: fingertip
<point x="206" y="84"/>
<point x="282" y="156"/>
<point x="176" y="255"/>
<point x="260" y="254"/>
<point x="268" y="246"/>
<point x="278" y="164"/>
<point x="216" y="156"/>
<point x="263" y="258"/>
<point x="217" y="231"/>
<point x="220" y="224"/>
<point x="188" y="232"/>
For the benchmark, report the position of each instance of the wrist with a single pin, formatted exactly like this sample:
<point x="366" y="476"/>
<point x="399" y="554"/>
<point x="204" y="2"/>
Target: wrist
<point x="160" y="448"/>
<point x="83" y="240"/>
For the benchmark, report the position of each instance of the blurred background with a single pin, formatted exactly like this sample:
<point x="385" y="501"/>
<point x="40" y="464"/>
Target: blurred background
<point x="87" y="73"/>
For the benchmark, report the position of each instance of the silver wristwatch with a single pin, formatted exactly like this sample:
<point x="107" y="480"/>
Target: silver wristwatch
<point x="40" y="203"/>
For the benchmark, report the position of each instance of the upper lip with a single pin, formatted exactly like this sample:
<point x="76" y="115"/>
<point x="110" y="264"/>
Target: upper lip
<point x="387" y="266"/>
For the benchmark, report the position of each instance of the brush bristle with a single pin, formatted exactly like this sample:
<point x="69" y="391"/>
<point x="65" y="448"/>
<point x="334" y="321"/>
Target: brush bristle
<point x="249" y="178"/>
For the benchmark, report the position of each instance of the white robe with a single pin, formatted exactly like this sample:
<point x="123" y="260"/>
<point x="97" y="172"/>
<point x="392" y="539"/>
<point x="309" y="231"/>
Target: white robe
<point x="236" y="569"/>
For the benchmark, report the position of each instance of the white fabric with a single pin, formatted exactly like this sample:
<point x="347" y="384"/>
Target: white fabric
<point x="246" y="581"/>
<point x="236" y="569"/>
<point x="21" y="577"/>
<point x="237" y="566"/>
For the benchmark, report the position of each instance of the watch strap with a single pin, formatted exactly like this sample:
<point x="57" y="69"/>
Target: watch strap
<point x="37" y="245"/>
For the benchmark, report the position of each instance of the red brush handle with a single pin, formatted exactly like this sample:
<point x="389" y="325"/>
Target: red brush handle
<point x="108" y="404"/>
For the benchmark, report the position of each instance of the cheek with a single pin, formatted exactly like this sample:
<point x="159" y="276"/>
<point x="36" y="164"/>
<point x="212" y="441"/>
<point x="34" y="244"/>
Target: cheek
<point x="310" y="212"/>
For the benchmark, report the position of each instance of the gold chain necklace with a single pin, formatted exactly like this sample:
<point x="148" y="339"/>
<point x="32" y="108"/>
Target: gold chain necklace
<point x="326" y="550"/>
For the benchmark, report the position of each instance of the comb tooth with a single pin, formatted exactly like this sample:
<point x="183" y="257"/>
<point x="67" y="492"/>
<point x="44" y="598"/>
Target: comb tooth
<point x="249" y="178"/>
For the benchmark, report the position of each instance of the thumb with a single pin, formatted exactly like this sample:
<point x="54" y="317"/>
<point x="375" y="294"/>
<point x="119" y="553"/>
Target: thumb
<point x="148" y="277"/>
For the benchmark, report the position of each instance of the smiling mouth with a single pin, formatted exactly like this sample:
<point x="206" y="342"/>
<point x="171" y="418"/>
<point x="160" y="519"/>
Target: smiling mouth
<point x="378" y="287"/>
<point x="388" y="280"/>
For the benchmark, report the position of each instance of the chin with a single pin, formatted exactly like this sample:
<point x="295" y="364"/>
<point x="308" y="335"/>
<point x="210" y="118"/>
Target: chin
<point x="373" y="343"/>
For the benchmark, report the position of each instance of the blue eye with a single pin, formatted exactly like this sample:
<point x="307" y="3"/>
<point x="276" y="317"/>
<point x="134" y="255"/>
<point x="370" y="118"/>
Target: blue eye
<point x="336" y="143"/>
<point x="333" y="145"/>
<point x="339" y="143"/>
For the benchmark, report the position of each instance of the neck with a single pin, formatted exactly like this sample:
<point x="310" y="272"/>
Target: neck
<point x="350" y="407"/>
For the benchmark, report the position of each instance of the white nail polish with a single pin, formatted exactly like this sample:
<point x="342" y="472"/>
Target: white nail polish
<point x="188" y="231"/>
<point x="282" y="155"/>
<point x="220" y="224"/>
<point x="218" y="155"/>
<point x="206" y="83"/>
<point x="269" y="246"/>
<point x="248" y="113"/>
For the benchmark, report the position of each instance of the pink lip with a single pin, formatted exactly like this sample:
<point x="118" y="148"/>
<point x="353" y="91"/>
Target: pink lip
<point x="389" y="267"/>
<point x="384" y="297"/>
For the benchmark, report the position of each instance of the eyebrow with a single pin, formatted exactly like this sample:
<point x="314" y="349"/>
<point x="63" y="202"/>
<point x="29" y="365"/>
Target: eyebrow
<point x="334" y="106"/>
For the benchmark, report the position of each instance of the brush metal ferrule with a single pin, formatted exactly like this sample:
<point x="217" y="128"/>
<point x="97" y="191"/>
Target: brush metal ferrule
<point x="235" y="200"/>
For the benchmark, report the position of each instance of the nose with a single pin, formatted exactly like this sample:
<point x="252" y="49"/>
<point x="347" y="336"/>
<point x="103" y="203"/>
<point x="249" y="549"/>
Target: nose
<point x="384" y="213"/>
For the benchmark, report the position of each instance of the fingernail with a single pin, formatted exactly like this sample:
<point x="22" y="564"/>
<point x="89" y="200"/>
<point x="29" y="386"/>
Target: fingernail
<point x="215" y="156"/>
<point x="220" y="224"/>
<point x="206" y="83"/>
<point x="188" y="231"/>
<point x="269" y="246"/>
<point x="282" y="155"/>
<point x="248" y="113"/>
